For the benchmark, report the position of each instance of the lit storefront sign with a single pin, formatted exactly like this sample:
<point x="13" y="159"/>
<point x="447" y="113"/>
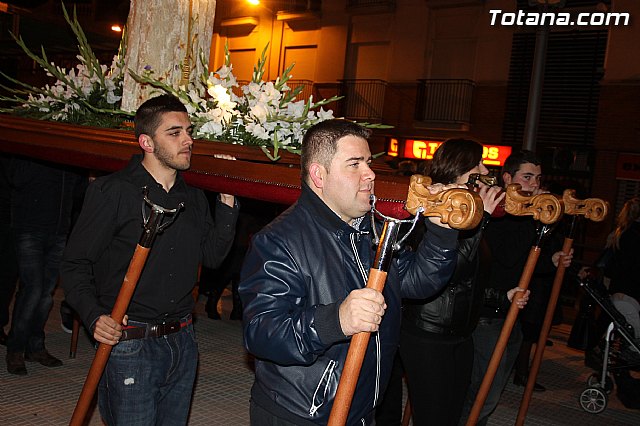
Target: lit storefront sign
<point x="492" y="155"/>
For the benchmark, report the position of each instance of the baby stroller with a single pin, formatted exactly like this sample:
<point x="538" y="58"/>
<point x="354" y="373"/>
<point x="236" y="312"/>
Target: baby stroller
<point x="617" y="354"/>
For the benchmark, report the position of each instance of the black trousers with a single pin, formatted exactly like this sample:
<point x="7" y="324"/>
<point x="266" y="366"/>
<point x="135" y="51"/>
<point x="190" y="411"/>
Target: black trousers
<point x="8" y="272"/>
<point x="438" y="373"/>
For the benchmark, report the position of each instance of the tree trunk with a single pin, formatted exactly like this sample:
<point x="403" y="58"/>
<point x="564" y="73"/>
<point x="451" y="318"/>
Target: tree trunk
<point x="158" y="37"/>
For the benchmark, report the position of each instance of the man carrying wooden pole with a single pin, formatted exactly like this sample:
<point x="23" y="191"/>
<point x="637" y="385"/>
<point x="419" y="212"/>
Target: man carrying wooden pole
<point x="139" y="389"/>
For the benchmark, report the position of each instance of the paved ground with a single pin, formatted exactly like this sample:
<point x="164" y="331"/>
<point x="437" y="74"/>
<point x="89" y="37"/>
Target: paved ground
<point x="47" y="396"/>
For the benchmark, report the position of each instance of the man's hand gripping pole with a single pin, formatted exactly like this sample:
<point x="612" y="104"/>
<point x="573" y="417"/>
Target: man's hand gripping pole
<point x="459" y="208"/>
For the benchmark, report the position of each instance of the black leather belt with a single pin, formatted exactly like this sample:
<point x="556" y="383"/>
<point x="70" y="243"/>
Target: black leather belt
<point x="154" y="330"/>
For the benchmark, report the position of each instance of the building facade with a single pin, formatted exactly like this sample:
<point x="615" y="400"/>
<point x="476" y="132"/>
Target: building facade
<point x="436" y="69"/>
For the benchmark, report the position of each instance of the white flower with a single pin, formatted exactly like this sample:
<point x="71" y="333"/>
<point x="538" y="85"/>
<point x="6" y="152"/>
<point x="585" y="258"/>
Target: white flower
<point x="295" y="109"/>
<point x="222" y="97"/>
<point x="260" y="112"/>
<point x="258" y="131"/>
<point x="210" y="128"/>
<point x="325" y="115"/>
<point x="112" y="98"/>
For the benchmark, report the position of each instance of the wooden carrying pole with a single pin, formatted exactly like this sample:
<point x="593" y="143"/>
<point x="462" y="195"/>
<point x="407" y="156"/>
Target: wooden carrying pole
<point x="503" y="339"/>
<point x="544" y="333"/>
<point x="102" y="354"/>
<point x="152" y="227"/>
<point x="596" y="210"/>
<point x="359" y="341"/>
<point x="548" y="209"/>
<point x="461" y="209"/>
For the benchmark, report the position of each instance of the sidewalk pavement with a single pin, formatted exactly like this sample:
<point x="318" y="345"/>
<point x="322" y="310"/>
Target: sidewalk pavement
<point x="47" y="396"/>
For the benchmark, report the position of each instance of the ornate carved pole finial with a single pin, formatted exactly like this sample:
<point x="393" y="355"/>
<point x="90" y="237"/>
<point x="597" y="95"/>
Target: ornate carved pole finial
<point x="460" y="208"/>
<point x="594" y="209"/>
<point x="547" y="208"/>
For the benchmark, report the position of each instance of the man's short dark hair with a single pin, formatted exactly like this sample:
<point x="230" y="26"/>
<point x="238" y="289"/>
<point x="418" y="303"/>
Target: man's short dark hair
<point x="149" y="114"/>
<point x="453" y="158"/>
<point x="515" y="160"/>
<point x="320" y="143"/>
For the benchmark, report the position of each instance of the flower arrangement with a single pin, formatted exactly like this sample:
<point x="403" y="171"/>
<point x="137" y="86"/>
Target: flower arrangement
<point x="267" y="114"/>
<point x="88" y="94"/>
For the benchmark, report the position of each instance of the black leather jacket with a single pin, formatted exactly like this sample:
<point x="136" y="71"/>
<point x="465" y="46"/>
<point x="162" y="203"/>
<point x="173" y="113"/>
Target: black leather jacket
<point x="296" y="273"/>
<point x="456" y="309"/>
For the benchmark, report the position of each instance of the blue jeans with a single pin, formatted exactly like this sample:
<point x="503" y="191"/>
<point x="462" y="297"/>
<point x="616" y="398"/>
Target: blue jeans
<point x="150" y="381"/>
<point x="8" y="272"/>
<point x="485" y="337"/>
<point x="39" y="255"/>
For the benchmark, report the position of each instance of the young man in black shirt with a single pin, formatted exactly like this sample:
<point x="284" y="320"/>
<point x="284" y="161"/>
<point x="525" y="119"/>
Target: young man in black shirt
<point x="150" y="374"/>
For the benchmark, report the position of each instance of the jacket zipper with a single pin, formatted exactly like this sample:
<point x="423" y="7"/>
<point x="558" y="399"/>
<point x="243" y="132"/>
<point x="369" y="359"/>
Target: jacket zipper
<point x="352" y="237"/>
<point x="326" y="378"/>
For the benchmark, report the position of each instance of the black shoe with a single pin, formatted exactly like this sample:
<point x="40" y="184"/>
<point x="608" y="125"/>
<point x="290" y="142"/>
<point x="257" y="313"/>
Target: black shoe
<point x="3" y="337"/>
<point x="519" y="380"/>
<point x="15" y="364"/>
<point x="44" y="358"/>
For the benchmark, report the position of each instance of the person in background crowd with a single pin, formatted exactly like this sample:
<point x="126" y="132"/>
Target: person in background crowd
<point x="504" y="251"/>
<point x="8" y="262"/>
<point x="302" y="286"/>
<point x="624" y="242"/>
<point x="155" y="385"/>
<point x="254" y="216"/>
<point x="436" y="346"/>
<point x="41" y="203"/>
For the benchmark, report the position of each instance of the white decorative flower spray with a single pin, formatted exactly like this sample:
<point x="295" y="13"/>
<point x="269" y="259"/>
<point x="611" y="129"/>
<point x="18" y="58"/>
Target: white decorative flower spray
<point x="267" y="113"/>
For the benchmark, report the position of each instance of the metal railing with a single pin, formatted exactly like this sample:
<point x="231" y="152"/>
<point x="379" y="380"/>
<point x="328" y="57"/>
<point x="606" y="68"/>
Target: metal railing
<point x="363" y="99"/>
<point x="298" y="5"/>
<point x="371" y="3"/>
<point x="444" y="100"/>
<point x="235" y="8"/>
<point x="307" y="89"/>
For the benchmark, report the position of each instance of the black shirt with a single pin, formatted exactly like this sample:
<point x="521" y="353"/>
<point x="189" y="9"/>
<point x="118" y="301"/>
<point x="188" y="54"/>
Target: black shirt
<point x="105" y="236"/>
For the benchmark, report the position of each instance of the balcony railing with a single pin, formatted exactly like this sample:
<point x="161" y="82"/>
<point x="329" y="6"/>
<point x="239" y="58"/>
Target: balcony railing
<point x="363" y="99"/>
<point x="298" y="5"/>
<point x="307" y="89"/>
<point x="226" y="9"/>
<point x="444" y="101"/>
<point x="371" y="6"/>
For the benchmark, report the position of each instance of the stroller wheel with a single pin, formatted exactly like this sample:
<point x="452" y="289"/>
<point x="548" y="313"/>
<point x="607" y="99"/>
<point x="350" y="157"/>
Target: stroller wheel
<point x="593" y="400"/>
<point x="594" y="381"/>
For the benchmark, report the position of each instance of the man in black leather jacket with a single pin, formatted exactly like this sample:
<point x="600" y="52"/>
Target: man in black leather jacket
<point x="302" y="286"/>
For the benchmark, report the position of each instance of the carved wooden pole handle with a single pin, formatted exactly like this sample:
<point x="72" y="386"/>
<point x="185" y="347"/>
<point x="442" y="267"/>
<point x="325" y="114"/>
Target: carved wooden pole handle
<point x="594" y="209"/>
<point x="459" y="208"/>
<point x="547" y="208"/>
<point x="591" y="208"/>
